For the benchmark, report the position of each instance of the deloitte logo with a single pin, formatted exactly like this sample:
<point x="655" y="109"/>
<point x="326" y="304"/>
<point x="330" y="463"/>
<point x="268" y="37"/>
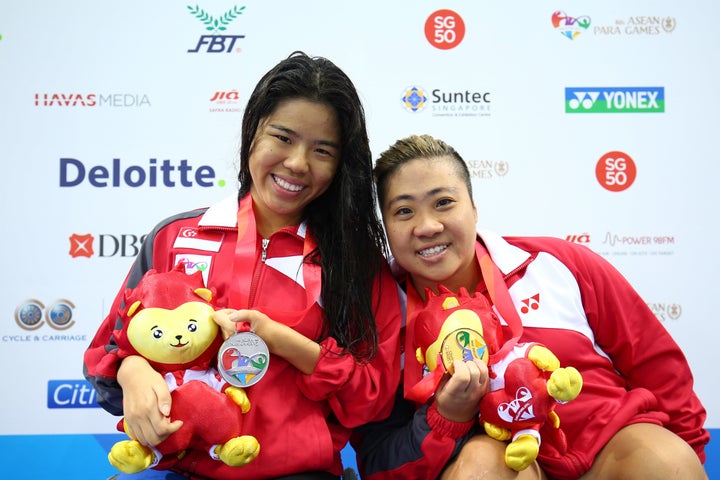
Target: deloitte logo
<point x="166" y="173"/>
<point x="615" y="100"/>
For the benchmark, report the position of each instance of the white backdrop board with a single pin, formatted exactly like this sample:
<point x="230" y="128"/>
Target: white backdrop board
<point x="590" y="121"/>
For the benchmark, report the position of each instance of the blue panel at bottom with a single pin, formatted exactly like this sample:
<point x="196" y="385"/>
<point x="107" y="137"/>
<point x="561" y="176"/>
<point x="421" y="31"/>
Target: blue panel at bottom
<point x="84" y="457"/>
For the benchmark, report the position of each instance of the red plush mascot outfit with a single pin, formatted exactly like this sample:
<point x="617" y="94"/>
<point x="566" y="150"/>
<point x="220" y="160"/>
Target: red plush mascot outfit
<point x="167" y="319"/>
<point x="526" y="381"/>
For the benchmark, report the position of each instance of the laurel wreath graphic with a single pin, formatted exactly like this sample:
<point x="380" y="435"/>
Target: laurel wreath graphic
<point x="212" y="23"/>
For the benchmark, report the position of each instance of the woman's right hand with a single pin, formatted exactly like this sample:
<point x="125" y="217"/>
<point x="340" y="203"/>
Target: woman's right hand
<point x="458" y="397"/>
<point x="146" y="402"/>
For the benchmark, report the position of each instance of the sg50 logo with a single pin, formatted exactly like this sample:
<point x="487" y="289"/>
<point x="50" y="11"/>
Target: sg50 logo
<point x="444" y="29"/>
<point x="615" y="171"/>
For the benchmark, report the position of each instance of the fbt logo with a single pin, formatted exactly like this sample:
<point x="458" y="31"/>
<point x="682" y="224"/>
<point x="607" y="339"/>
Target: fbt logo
<point x="71" y="394"/>
<point x="32" y="314"/>
<point x="125" y="245"/>
<point x="74" y="172"/>
<point x="615" y="171"/>
<point x="444" y="29"/>
<point x="615" y="100"/>
<point x="219" y="42"/>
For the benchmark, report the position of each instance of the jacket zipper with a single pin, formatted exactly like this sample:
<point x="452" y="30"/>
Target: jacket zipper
<point x="257" y="272"/>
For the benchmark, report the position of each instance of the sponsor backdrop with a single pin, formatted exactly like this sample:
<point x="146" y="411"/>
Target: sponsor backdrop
<point x="591" y="121"/>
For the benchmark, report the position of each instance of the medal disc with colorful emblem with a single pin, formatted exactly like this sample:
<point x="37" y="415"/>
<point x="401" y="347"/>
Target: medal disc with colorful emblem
<point x="243" y="359"/>
<point x="463" y="344"/>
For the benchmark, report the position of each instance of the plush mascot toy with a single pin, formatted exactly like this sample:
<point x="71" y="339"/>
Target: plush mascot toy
<point x="168" y="320"/>
<point x="526" y="381"/>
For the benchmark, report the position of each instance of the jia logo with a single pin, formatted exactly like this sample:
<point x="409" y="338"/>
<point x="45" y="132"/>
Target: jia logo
<point x="216" y="43"/>
<point x="30" y="313"/>
<point x="414" y="99"/>
<point x="532" y="303"/>
<point x="570" y="27"/>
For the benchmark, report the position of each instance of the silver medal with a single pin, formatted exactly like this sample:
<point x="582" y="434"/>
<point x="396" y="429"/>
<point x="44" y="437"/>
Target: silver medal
<point x="243" y="359"/>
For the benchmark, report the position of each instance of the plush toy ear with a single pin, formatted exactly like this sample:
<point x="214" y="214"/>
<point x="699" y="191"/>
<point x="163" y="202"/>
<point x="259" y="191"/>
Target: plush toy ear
<point x="133" y="308"/>
<point x="204" y="293"/>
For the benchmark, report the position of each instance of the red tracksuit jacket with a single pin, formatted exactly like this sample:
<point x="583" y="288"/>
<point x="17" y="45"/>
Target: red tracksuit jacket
<point x="301" y="421"/>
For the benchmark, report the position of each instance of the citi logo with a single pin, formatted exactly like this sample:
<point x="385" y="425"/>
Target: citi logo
<point x="614" y="99"/>
<point x="125" y="245"/>
<point x="71" y="394"/>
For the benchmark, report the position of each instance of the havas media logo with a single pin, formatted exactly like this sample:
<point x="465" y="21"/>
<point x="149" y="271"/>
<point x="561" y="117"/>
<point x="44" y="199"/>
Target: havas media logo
<point x="68" y="99"/>
<point x="108" y="245"/>
<point x="167" y="173"/>
<point x="614" y="99"/>
<point x="218" y="42"/>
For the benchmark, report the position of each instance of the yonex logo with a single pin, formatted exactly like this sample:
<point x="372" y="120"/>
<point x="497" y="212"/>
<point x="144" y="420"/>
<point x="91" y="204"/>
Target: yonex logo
<point x="614" y="100"/>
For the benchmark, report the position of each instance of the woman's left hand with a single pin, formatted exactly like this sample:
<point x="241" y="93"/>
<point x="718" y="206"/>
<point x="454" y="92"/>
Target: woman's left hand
<point x="228" y="319"/>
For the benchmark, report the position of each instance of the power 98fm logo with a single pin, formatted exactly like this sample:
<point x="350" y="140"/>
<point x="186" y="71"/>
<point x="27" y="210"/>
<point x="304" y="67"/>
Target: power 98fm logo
<point x="33" y="314"/>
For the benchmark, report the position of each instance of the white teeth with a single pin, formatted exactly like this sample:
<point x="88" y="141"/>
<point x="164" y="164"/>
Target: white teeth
<point x="432" y="251"/>
<point x="286" y="185"/>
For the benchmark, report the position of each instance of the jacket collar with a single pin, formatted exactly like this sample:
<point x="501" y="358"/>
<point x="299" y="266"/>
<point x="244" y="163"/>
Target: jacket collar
<point x="224" y="215"/>
<point x="506" y="256"/>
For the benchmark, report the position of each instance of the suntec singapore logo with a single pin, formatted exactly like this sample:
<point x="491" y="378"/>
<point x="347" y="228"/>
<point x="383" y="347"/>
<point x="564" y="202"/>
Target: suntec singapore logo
<point x="569" y="27"/>
<point x="414" y="99"/>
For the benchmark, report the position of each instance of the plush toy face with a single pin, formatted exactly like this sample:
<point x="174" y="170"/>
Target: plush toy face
<point x="176" y="336"/>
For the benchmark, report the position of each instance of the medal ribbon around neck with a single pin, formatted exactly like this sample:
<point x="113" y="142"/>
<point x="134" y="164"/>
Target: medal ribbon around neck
<point x="246" y="259"/>
<point x="244" y="358"/>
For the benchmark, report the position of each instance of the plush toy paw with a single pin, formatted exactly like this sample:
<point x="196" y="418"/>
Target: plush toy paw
<point x="130" y="456"/>
<point x="521" y="452"/>
<point x="498" y="433"/>
<point x="238" y="451"/>
<point x="564" y="384"/>
<point x="543" y="358"/>
<point x="239" y="396"/>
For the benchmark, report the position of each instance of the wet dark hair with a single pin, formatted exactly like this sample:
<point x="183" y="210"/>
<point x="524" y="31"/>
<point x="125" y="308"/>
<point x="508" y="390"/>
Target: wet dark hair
<point x="343" y="220"/>
<point x="411" y="148"/>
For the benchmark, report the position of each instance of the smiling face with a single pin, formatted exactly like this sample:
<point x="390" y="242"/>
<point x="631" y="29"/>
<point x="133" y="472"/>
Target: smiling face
<point x="293" y="159"/>
<point x="430" y="222"/>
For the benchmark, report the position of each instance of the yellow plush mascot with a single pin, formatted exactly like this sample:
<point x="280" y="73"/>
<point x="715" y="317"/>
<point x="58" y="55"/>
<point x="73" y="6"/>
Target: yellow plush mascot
<point x="167" y="319"/>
